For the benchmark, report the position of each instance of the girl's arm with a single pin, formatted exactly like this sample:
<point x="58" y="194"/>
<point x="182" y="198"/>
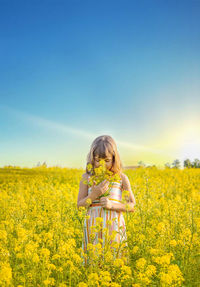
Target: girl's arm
<point x="131" y="202"/>
<point x="83" y="194"/>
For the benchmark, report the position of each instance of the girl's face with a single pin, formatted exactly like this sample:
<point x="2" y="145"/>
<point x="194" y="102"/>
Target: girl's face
<point x="108" y="161"/>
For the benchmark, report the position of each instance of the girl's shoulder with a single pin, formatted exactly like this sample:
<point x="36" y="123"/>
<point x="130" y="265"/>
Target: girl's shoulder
<point x="125" y="180"/>
<point x="123" y="176"/>
<point x="85" y="176"/>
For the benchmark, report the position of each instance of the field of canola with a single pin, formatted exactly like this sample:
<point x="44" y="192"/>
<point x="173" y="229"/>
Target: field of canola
<point x="41" y="230"/>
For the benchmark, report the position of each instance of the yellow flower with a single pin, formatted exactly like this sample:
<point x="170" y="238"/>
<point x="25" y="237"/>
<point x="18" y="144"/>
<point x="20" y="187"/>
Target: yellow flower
<point x="100" y="240"/>
<point x="109" y="256"/>
<point x="82" y="284"/>
<point x="135" y="249"/>
<point x="19" y="255"/>
<point x="49" y="281"/>
<point x="29" y="276"/>
<point x="60" y="269"/>
<point x="88" y="201"/>
<point x="51" y="266"/>
<point x="114" y="284"/>
<point x="126" y="270"/>
<point x="165" y="259"/>
<point x="93" y="280"/>
<point x="173" y="242"/>
<point x="90" y="246"/>
<point x="89" y="166"/>
<point x="5" y="273"/>
<point x="105" y="278"/>
<point x="165" y="278"/>
<point x="150" y="270"/>
<point x="45" y="252"/>
<point x="55" y="256"/>
<point x="21" y="232"/>
<point x="3" y="235"/>
<point x="154" y="251"/>
<point x="141" y="238"/>
<point x="144" y="280"/>
<point x="160" y="227"/>
<point x="99" y="220"/>
<point x="175" y="273"/>
<point x="118" y="262"/>
<point x="140" y="264"/>
<point x="109" y="222"/>
<point x="100" y="174"/>
<point x="35" y="258"/>
<point x="113" y="235"/>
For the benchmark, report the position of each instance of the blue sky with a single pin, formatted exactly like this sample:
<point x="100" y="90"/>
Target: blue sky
<point x="73" y="70"/>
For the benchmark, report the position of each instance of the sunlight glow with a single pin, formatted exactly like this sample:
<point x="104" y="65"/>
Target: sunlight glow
<point x="189" y="145"/>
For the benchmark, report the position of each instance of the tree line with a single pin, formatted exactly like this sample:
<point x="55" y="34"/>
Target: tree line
<point x="187" y="163"/>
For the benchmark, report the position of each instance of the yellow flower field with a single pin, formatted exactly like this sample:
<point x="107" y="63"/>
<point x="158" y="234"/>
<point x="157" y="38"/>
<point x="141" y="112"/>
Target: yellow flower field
<point x="41" y="230"/>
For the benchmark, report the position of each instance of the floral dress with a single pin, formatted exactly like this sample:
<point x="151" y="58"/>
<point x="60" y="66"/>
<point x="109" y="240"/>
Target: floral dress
<point x="115" y="218"/>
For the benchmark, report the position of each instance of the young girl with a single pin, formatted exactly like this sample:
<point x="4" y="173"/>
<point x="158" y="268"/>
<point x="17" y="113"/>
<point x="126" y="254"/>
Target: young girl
<point x="110" y="207"/>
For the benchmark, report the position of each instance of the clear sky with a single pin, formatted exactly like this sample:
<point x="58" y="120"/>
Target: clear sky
<point x="74" y="70"/>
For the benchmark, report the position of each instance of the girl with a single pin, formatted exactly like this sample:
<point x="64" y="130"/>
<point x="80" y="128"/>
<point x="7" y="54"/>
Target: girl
<point x="110" y="207"/>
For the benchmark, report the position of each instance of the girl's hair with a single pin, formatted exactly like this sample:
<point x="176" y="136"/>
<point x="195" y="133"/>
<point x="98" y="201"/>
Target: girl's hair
<point x="102" y="146"/>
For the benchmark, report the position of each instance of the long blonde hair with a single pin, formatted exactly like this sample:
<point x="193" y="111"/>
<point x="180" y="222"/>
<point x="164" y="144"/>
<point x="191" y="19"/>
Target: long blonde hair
<point x="102" y="146"/>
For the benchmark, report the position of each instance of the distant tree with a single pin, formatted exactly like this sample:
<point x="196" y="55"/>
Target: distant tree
<point x="168" y="165"/>
<point x="151" y="166"/>
<point x="141" y="163"/>
<point x="187" y="163"/>
<point x="196" y="163"/>
<point x="176" y="163"/>
<point x="38" y="164"/>
<point x="44" y="164"/>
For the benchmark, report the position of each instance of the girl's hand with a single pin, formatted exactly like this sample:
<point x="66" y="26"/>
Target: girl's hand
<point x="101" y="188"/>
<point x="105" y="202"/>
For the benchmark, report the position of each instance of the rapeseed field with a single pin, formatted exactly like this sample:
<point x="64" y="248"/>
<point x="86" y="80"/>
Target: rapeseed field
<point x="41" y="230"/>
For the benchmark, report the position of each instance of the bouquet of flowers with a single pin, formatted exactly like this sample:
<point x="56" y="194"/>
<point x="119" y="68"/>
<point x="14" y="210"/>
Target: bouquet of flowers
<point x="100" y="174"/>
